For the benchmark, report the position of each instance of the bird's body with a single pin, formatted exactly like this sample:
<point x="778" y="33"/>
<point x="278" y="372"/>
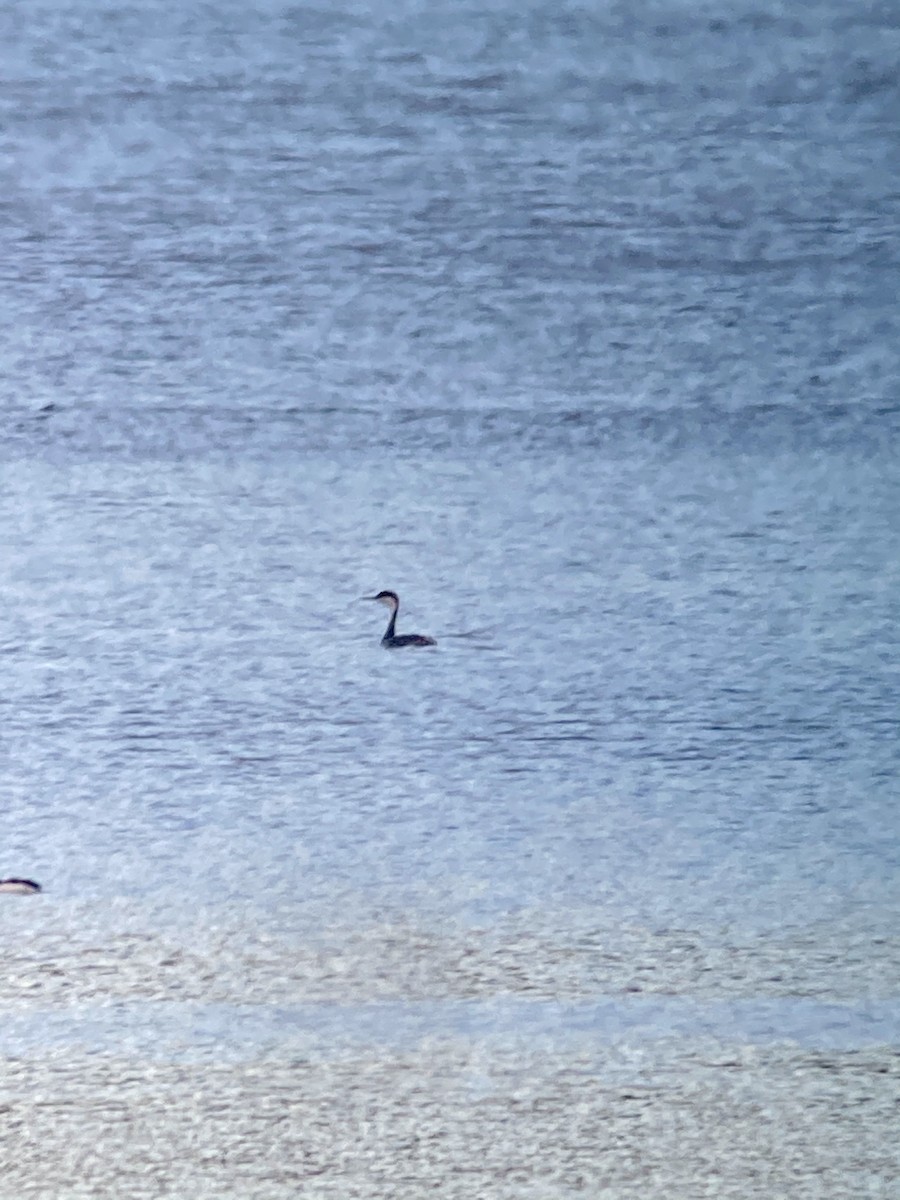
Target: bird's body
<point x="392" y="640"/>
<point x="19" y="887"/>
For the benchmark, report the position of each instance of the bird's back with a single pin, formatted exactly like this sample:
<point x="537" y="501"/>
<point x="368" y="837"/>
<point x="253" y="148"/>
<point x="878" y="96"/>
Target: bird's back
<point x="407" y="639"/>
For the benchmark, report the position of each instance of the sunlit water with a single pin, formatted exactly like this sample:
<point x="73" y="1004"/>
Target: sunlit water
<point x="577" y="326"/>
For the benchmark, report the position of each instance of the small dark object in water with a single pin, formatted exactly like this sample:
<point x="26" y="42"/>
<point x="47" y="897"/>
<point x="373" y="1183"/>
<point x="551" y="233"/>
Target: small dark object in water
<point x="19" y="887"/>
<point x="391" y="640"/>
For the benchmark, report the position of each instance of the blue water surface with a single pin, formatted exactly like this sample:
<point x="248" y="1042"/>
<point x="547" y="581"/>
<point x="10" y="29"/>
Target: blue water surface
<point x="576" y="325"/>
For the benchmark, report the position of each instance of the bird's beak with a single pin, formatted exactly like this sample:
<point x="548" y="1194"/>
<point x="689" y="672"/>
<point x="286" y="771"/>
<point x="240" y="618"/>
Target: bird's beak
<point x="368" y="597"/>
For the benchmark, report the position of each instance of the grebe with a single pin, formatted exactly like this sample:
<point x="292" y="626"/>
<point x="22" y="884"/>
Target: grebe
<point x="391" y="639"/>
<point x="19" y="887"/>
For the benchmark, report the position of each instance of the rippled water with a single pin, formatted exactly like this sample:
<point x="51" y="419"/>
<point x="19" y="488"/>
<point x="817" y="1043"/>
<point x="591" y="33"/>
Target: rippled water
<point x="577" y="326"/>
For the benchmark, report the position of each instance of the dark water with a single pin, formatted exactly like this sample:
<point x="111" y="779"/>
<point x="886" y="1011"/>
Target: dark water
<point x="577" y="326"/>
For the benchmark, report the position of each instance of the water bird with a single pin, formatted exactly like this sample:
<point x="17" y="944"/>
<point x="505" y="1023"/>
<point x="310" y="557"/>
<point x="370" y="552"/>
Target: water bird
<point x="19" y="887"/>
<point x="392" y="640"/>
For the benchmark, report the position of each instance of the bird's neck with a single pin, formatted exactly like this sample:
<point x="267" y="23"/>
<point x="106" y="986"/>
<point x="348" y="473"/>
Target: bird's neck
<point x="389" y="632"/>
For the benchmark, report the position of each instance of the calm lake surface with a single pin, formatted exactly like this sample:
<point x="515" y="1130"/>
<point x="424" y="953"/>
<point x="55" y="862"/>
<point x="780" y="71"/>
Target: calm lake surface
<point x="577" y="326"/>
